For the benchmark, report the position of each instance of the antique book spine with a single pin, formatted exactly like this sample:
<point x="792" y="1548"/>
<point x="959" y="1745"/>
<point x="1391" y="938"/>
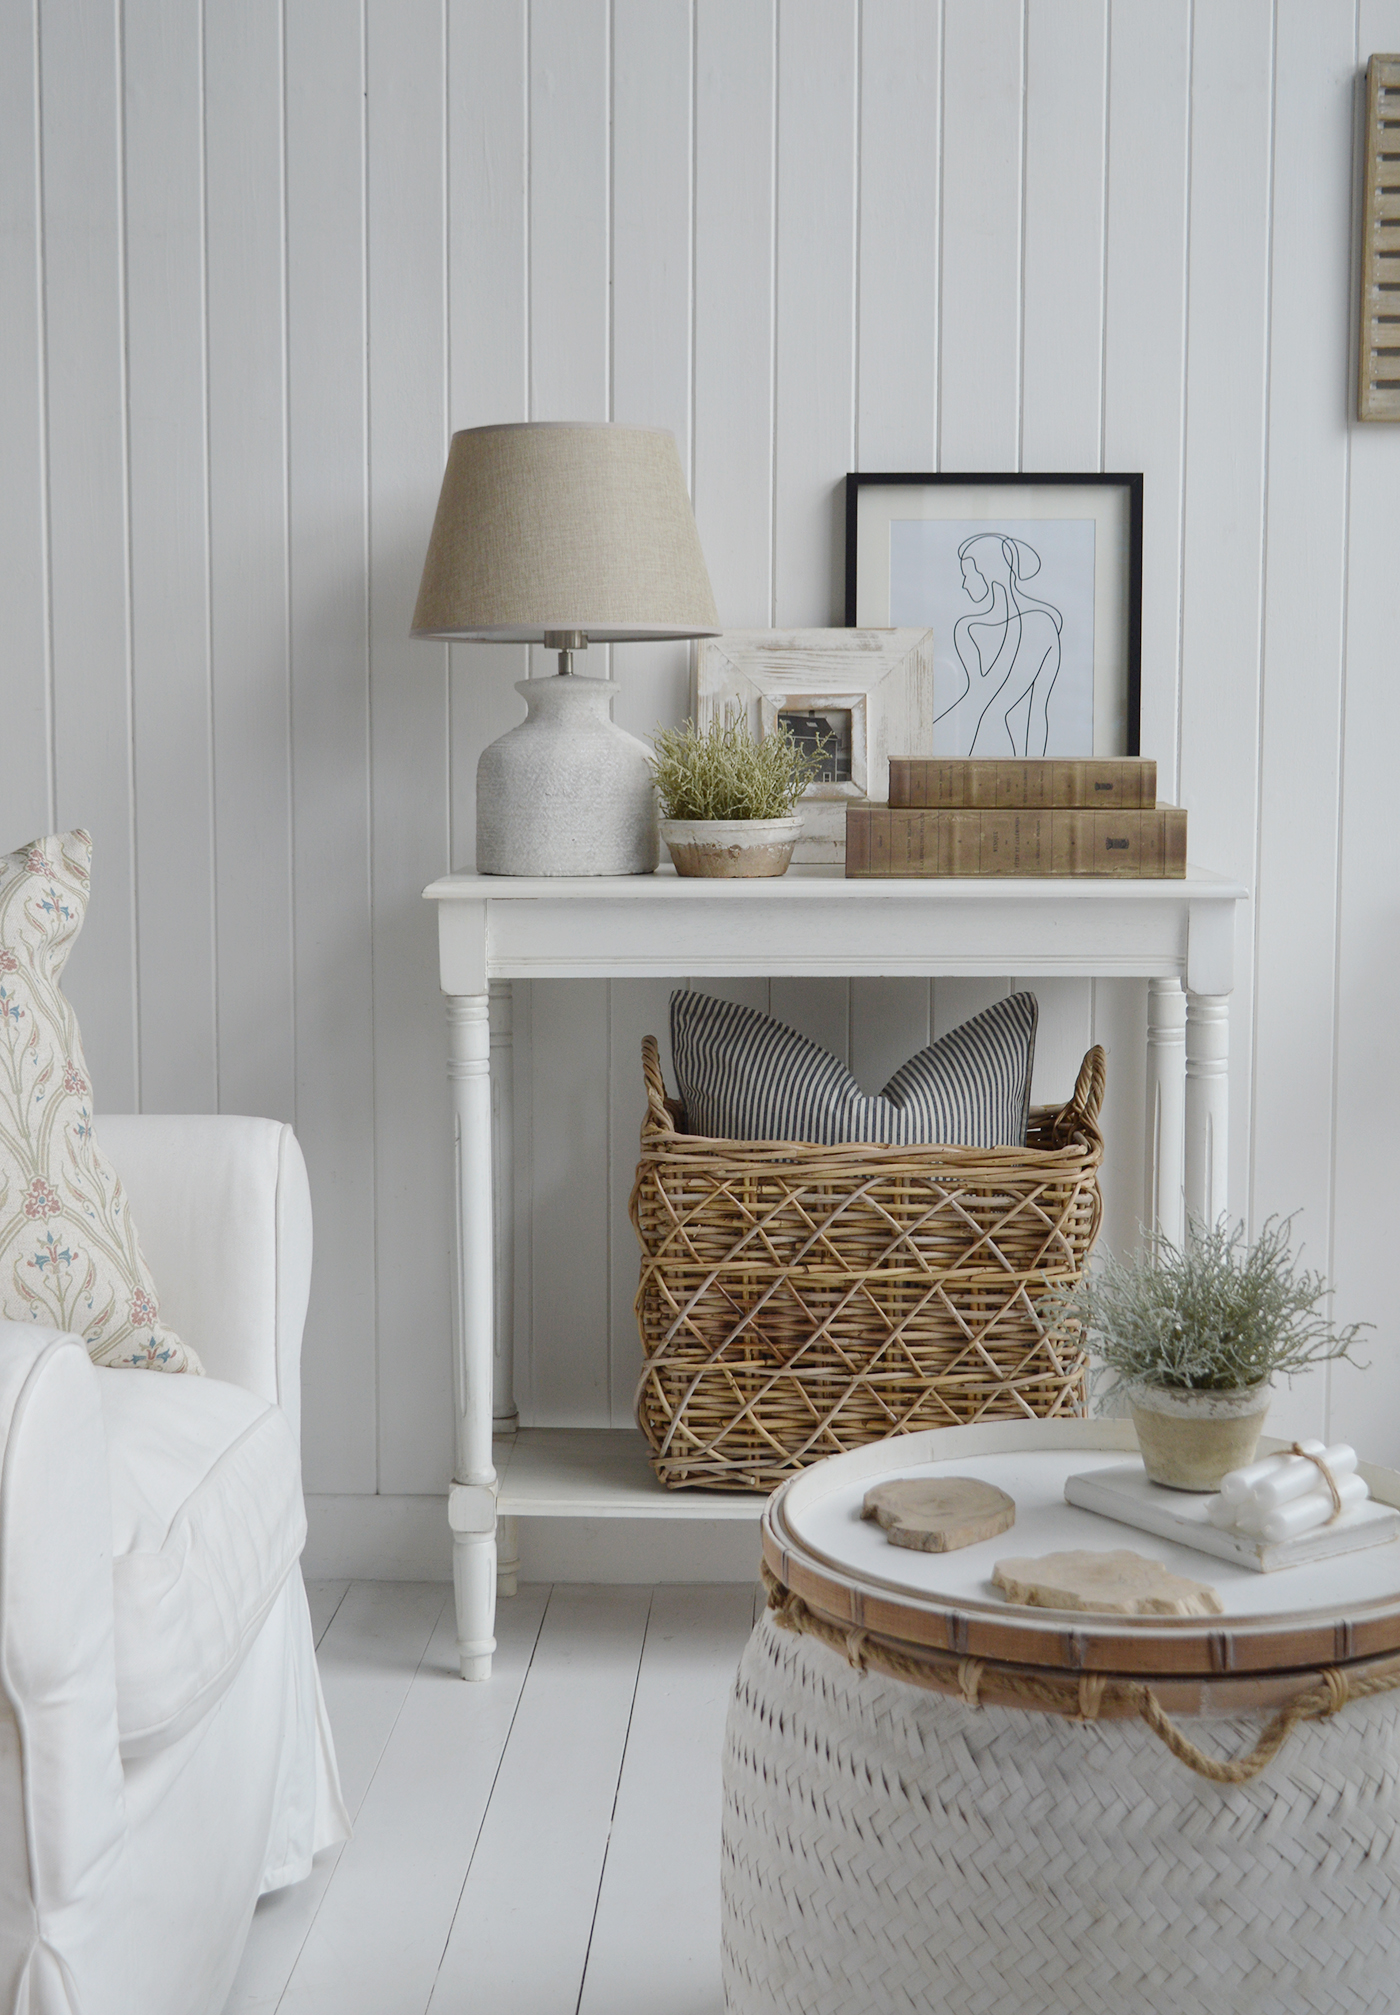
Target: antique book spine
<point x="906" y="840"/>
<point x="857" y="839"/>
<point x="935" y="783"/>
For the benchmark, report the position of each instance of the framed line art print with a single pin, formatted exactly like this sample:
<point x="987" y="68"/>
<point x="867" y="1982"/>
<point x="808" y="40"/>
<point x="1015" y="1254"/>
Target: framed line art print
<point x="1032" y="587"/>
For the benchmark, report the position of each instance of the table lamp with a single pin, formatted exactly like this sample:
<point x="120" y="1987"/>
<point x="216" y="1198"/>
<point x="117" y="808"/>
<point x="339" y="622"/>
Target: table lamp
<point x="558" y="533"/>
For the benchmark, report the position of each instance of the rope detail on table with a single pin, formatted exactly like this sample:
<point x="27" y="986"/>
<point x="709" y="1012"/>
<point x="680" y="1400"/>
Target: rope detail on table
<point x="1084" y="1697"/>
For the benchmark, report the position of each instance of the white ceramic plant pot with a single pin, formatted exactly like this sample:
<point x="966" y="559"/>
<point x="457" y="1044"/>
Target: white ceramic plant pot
<point x="731" y="846"/>
<point x="1190" y="1440"/>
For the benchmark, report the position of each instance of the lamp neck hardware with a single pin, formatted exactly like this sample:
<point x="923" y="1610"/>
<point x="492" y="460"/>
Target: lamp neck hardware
<point x="566" y="642"/>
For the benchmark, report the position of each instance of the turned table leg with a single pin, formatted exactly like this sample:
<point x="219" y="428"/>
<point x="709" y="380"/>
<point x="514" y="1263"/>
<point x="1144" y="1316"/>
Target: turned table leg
<point x="472" y="1499"/>
<point x="1166" y="1105"/>
<point x="505" y="1418"/>
<point x="1207" y="1106"/>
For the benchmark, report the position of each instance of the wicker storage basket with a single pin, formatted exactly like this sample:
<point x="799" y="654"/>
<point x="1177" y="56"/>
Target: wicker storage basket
<point x="797" y="1301"/>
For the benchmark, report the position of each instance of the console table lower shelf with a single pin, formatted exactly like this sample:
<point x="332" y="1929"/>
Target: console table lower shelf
<point x="595" y="1472"/>
<point x="1177" y="936"/>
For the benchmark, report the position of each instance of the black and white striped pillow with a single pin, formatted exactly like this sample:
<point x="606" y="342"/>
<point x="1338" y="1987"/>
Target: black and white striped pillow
<point x="744" y="1076"/>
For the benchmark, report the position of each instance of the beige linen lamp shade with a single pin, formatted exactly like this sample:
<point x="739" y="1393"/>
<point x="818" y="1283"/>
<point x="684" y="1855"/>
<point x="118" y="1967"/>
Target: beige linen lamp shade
<point x="563" y="534"/>
<point x="553" y="527"/>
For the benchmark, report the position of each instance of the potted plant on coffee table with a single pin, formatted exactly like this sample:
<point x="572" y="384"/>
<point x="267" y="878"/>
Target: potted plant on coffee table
<point x="728" y="802"/>
<point x="1193" y="1336"/>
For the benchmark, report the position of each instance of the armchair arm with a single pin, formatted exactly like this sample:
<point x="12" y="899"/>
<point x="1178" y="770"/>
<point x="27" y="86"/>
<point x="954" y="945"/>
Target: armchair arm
<point x="222" y="1207"/>
<point x="62" y="1812"/>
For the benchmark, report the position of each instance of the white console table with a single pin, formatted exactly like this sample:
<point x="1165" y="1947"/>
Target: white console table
<point x="494" y="929"/>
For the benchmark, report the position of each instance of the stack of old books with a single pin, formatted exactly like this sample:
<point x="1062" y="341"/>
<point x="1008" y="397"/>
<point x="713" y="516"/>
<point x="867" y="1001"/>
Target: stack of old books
<point x="948" y="817"/>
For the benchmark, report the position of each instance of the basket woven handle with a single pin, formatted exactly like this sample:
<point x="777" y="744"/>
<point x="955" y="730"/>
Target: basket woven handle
<point x="657" y="1108"/>
<point x="1083" y="1110"/>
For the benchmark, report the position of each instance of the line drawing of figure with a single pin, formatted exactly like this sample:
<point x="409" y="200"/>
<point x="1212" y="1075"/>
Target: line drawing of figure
<point x="1008" y="647"/>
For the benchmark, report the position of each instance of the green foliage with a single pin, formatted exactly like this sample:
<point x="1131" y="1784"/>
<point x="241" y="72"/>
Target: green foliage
<point x="723" y="773"/>
<point x="1213" y="1315"/>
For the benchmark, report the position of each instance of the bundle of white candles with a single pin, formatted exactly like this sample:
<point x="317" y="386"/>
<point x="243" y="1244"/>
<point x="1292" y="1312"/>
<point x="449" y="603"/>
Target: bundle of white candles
<point x="1284" y="1496"/>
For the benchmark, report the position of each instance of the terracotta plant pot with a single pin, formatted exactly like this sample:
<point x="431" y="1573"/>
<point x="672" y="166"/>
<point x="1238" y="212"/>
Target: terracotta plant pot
<point x="1190" y="1440"/>
<point x="731" y="846"/>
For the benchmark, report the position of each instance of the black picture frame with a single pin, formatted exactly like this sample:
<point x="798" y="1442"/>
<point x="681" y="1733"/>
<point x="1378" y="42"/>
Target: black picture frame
<point x="1129" y="482"/>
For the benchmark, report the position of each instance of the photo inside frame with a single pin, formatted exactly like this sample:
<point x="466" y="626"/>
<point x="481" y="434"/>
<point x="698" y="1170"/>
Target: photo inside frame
<point x="825" y="732"/>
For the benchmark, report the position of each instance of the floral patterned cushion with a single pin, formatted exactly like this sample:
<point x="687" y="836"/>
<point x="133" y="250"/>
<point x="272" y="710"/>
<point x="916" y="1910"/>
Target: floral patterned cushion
<point x="68" y="1249"/>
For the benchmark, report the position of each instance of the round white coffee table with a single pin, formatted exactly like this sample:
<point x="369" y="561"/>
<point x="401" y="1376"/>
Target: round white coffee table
<point x="936" y="1800"/>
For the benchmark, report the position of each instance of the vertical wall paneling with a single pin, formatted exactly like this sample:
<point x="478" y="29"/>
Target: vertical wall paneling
<point x="1222" y="561"/>
<point x="653" y="200"/>
<point x="487" y="243"/>
<point x="818" y="1009"/>
<point x="245" y="255"/>
<point x="1062" y="351"/>
<point x="651" y="215"/>
<point x="488" y="334"/>
<point x="955" y="1000"/>
<point x="80" y="101"/>
<point x="328" y="585"/>
<point x="1149" y="126"/>
<point x="256" y="262"/>
<point x="980" y="340"/>
<point x="896" y="363"/>
<point x="172" y="723"/>
<point x="569" y="247"/>
<point x="1066" y="165"/>
<point x="756" y="994"/>
<point x="1366" y="1403"/>
<point x="25" y="770"/>
<point x="1064" y="1031"/>
<point x="1144" y="405"/>
<point x="900" y="110"/>
<point x="890" y="1020"/>
<point x="815" y="336"/>
<point x="1296" y="904"/>
<point x="651" y="289"/>
<point x="1143" y="426"/>
<point x="522" y="1085"/>
<point x="408" y="738"/>
<point x="735" y="165"/>
<point x="569" y="1327"/>
<point x="815" y="352"/>
<point x="570" y="377"/>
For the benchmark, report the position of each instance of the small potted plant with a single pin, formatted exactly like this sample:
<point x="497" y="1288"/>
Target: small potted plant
<point x="1193" y="1337"/>
<point x="727" y="801"/>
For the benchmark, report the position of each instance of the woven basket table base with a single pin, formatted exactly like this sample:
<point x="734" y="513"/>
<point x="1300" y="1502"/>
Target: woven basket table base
<point x="889" y="1849"/>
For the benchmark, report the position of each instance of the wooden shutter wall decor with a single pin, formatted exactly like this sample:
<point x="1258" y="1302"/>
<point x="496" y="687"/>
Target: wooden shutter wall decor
<point x="1378" y="380"/>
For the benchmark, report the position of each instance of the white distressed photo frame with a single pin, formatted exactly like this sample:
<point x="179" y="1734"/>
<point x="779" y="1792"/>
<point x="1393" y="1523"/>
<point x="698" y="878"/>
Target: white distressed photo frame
<point x="882" y="678"/>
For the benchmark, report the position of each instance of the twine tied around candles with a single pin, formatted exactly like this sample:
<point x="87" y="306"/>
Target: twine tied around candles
<point x="1328" y="1478"/>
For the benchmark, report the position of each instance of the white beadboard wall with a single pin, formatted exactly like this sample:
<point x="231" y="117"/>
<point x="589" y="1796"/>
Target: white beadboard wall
<point x="259" y="259"/>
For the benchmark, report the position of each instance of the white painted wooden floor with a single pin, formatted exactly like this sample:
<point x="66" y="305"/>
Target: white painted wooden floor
<point x="545" y="1844"/>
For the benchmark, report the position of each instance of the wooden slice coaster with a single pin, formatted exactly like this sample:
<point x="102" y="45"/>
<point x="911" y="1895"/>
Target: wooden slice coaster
<point x="939" y="1515"/>
<point x="1121" y="1582"/>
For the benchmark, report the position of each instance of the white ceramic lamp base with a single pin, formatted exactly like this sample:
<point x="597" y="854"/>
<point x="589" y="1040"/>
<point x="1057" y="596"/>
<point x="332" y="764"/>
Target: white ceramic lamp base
<point x="567" y="792"/>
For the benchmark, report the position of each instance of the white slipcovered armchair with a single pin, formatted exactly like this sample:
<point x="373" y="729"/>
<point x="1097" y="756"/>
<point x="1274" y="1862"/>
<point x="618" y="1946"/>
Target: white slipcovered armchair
<point x="164" y="1751"/>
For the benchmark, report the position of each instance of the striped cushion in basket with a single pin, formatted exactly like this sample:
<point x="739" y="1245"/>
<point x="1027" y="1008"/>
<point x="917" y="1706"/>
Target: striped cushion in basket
<point x="744" y="1076"/>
